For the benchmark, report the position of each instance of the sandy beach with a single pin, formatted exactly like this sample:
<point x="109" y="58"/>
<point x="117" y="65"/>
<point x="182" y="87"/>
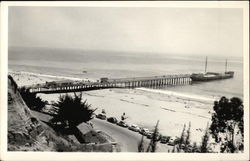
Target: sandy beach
<point x="28" y="78"/>
<point x="142" y="106"/>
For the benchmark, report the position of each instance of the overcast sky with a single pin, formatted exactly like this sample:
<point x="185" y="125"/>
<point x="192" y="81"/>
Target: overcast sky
<point x="157" y="30"/>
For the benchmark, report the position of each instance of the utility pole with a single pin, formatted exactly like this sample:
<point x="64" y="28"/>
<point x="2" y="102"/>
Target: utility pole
<point x="206" y="65"/>
<point x="226" y="66"/>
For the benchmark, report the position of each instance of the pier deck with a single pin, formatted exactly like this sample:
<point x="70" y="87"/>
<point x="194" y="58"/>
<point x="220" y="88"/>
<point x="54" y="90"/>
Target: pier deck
<point x="75" y="86"/>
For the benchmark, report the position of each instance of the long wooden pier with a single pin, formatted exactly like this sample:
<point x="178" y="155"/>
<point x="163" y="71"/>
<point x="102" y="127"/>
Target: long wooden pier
<point x="75" y="86"/>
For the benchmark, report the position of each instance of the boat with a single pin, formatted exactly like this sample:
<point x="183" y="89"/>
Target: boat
<point x="209" y="76"/>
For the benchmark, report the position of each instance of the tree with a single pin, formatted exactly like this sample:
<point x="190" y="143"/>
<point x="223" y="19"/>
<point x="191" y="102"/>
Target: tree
<point x="152" y="144"/>
<point x="182" y="138"/>
<point x="141" y="145"/>
<point x="31" y="99"/>
<point x="187" y="142"/>
<point x="227" y="121"/>
<point x="173" y="150"/>
<point x="204" y="142"/>
<point x="153" y="141"/>
<point x="72" y="111"/>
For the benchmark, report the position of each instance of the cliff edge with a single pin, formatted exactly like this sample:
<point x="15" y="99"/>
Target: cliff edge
<point x="27" y="133"/>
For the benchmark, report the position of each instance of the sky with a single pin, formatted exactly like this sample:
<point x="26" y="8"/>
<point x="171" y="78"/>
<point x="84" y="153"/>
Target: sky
<point x="191" y="31"/>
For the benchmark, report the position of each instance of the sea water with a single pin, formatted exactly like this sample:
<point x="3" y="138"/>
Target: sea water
<point x="97" y="64"/>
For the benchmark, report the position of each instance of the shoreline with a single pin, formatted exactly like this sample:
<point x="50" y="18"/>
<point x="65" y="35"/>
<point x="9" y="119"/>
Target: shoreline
<point x="45" y="75"/>
<point x="143" y="106"/>
<point x="166" y="92"/>
<point x="40" y="78"/>
<point x="180" y="95"/>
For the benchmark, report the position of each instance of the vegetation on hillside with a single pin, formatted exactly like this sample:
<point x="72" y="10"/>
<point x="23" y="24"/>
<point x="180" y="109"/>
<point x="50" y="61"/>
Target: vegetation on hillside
<point x="227" y="124"/>
<point x="153" y="141"/>
<point x="141" y="145"/>
<point x="183" y="144"/>
<point x="204" y="142"/>
<point x="182" y="138"/>
<point x="72" y="111"/>
<point x="32" y="100"/>
<point x="227" y="129"/>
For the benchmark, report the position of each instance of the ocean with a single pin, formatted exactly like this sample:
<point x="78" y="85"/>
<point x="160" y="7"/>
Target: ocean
<point x="97" y="64"/>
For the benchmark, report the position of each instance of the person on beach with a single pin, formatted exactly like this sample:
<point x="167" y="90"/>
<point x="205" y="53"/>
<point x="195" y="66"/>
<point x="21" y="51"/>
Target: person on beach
<point x="123" y="117"/>
<point x="103" y="112"/>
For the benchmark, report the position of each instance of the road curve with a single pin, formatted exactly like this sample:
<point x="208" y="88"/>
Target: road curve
<point x="127" y="139"/>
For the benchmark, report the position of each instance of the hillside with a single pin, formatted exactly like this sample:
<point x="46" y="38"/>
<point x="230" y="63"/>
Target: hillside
<point x="27" y="133"/>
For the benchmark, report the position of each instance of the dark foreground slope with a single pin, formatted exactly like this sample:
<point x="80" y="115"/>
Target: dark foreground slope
<point x="27" y="133"/>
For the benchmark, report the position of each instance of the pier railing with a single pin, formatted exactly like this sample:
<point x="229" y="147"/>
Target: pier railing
<point x="74" y="86"/>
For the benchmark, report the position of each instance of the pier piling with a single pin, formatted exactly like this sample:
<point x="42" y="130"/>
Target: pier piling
<point x="152" y="82"/>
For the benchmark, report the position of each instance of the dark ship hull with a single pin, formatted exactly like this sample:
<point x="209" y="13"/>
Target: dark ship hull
<point x="209" y="76"/>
